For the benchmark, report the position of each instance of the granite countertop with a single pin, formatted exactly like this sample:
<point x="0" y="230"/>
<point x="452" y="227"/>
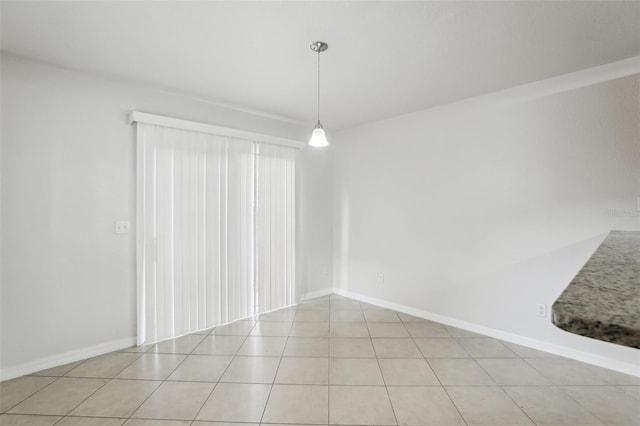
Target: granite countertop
<point x="603" y="300"/>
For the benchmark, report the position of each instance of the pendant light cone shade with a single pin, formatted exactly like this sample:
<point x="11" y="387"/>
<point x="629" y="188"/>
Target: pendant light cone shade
<point x="318" y="137"/>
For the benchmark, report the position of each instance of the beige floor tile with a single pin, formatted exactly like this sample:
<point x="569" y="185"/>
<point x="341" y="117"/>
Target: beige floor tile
<point x="550" y="406"/>
<point x="197" y="423"/>
<point x="426" y="406"/>
<point x="346" y="315"/>
<point x="458" y="332"/>
<point x="263" y="346"/>
<point x="104" y="366"/>
<point x="485" y="347"/>
<point x="387" y="329"/>
<point x="349" y="329"/>
<point x="609" y="404"/>
<point x="441" y="348"/>
<point x="234" y="402"/>
<point x="143" y="422"/>
<point x="58" y="371"/>
<point x="631" y="390"/>
<point x="370" y="307"/>
<point x="152" y="367"/>
<point x="352" y="405"/>
<point x="417" y="329"/>
<point x="313" y="315"/>
<point x="269" y="424"/>
<point x="90" y="421"/>
<point x="201" y="368"/>
<point x="118" y="398"/>
<point x="548" y="389"/>
<point x="309" y="329"/>
<point x="351" y="348"/>
<point x="321" y="305"/>
<point x="614" y="377"/>
<point x="175" y="401"/>
<point x="410" y="318"/>
<point x="237" y="328"/>
<point x="407" y="372"/>
<point x="286" y="315"/>
<point x="271" y="328"/>
<point x="355" y="371"/>
<point x="459" y="372"/>
<point x="251" y="369"/>
<point x="26" y="420"/>
<point x="137" y="349"/>
<point x="381" y="316"/>
<point x="487" y="406"/>
<point x="562" y="371"/>
<point x="526" y="352"/>
<point x="345" y="304"/>
<point x="396" y="348"/>
<point x="219" y="345"/>
<point x="16" y="390"/>
<point x="303" y="371"/>
<point x="59" y="397"/>
<point x="181" y="345"/>
<point x="307" y="347"/>
<point x="297" y="404"/>
<point x="512" y="372"/>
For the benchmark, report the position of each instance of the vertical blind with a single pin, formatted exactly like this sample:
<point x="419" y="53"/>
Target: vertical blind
<point x="215" y="230"/>
<point x="275" y="225"/>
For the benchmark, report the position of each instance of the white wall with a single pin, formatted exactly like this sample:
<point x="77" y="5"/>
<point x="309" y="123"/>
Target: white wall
<point x="316" y="219"/>
<point x="68" y="172"/>
<point x="481" y="210"/>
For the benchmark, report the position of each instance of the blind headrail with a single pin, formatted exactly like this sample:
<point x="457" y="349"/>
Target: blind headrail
<point x="176" y="123"/>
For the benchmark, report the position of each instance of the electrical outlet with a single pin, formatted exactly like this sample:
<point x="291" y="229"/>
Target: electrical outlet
<point x="325" y="272"/>
<point x="122" y="227"/>
<point x="541" y="310"/>
<point x="381" y="278"/>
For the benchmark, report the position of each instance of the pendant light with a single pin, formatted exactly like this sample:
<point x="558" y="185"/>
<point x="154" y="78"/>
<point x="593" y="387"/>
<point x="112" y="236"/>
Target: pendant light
<point x="318" y="137"/>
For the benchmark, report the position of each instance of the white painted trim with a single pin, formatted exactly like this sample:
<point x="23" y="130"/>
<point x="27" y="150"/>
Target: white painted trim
<point x="623" y="367"/>
<point x="159" y="120"/>
<point x="525" y="92"/>
<point x="65" y="358"/>
<point x="567" y="82"/>
<point x="316" y="294"/>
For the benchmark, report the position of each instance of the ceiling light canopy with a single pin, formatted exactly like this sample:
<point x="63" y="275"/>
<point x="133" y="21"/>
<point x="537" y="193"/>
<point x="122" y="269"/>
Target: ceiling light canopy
<point x="318" y="137"/>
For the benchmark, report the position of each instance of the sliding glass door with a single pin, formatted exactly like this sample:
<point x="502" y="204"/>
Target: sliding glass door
<point x="216" y="230"/>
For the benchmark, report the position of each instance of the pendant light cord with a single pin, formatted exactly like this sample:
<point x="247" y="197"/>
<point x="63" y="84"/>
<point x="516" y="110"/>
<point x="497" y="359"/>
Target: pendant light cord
<point x="318" y="85"/>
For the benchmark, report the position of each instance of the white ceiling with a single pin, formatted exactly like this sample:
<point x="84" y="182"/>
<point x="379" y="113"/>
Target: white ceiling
<point x="384" y="58"/>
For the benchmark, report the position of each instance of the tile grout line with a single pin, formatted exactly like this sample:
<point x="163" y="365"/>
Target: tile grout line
<point x="162" y="382"/>
<point x="386" y="389"/>
<point x="502" y="389"/>
<point x="458" y="339"/>
<point x="195" y="417"/>
<point x="107" y="380"/>
<point x="176" y="367"/>
<point x="55" y="379"/>
<point x="434" y="373"/>
<point x="264" y="410"/>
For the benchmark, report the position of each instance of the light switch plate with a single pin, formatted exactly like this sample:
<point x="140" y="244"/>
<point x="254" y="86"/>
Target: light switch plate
<point x="122" y="227"/>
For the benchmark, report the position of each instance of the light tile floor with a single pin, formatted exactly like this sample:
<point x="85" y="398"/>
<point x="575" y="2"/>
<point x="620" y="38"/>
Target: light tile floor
<point x="331" y="360"/>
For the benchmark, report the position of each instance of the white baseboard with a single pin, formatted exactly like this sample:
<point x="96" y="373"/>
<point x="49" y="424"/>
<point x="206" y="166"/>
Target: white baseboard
<point x="65" y="358"/>
<point x="567" y="352"/>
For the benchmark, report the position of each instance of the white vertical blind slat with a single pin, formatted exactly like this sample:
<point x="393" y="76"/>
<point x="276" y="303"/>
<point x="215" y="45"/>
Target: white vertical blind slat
<point x="275" y="227"/>
<point x="215" y="233"/>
